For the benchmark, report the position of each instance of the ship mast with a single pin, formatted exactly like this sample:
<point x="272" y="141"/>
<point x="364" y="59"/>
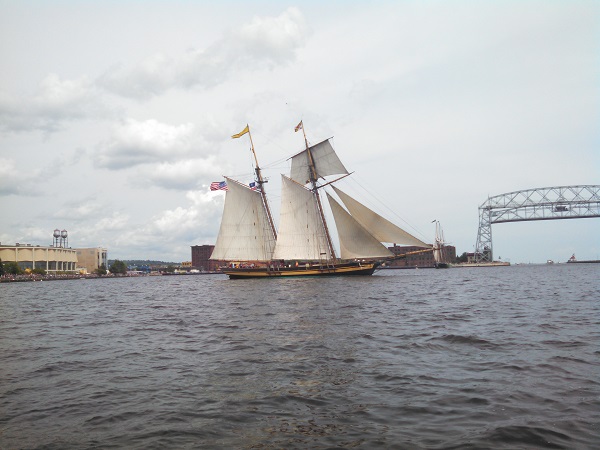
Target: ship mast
<point x="313" y="182"/>
<point x="260" y="180"/>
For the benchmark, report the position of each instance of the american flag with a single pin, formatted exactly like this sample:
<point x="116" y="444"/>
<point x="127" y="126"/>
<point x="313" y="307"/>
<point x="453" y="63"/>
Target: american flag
<point x="219" y="186"/>
<point x="253" y="186"/>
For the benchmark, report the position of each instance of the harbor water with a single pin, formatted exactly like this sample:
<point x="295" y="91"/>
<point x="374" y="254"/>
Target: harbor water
<point x="504" y="357"/>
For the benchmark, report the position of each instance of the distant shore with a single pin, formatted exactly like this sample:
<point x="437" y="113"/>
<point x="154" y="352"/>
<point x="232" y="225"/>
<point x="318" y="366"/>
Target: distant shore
<point x="31" y="277"/>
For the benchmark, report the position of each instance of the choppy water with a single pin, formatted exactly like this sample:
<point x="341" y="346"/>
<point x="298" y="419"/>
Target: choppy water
<point x="459" y="358"/>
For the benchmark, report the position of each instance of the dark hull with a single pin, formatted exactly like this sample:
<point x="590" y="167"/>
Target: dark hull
<point x="348" y="269"/>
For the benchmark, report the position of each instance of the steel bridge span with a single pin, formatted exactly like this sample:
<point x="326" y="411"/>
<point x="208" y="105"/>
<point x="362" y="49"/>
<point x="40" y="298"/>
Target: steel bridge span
<point x="550" y="203"/>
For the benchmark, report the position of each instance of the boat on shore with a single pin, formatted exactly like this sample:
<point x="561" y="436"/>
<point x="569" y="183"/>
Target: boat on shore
<point x="250" y="246"/>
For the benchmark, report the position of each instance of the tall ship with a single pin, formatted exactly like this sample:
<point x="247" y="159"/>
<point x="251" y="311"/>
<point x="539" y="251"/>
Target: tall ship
<point x="250" y="246"/>
<point x="439" y="248"/>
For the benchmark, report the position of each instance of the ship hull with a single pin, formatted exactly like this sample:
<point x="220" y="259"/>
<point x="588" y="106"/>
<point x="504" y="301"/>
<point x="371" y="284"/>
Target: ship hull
<point x="302" y="271"/>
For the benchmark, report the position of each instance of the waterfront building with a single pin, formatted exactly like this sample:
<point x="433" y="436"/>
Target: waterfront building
<point x="90" y="259"/>
<point x="201" y="258"/>
<point x="421" y="260"/>
<point x="50" y="259"/>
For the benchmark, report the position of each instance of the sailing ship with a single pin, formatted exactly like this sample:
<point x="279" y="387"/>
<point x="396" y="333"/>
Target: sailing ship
<point x="439" y="248"/>
<point x="251" y="247"/>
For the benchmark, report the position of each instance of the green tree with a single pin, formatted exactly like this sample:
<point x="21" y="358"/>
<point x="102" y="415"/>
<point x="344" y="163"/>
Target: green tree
<point x="39" y="271"/>
<point x="463" y="258"/>
<point x="100" y="270"/>
<point x="118" y="267"/>
<point x="12" y="268"/>
<point x="1" y="268"/>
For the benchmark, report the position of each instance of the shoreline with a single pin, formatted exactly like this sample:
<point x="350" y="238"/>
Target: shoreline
<point x="32" y="278"/>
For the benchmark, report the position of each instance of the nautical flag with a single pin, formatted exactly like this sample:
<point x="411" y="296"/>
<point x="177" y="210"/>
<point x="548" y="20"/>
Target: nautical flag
<point x="219" y="186"/>
<point x="253" y="186"/>
<point x="241" y="133"/>
<point x="298" y="127"/>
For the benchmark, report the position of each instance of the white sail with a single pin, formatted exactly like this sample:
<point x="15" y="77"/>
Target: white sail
<point x="437" y="253"/>
<point x="325" y="160"/>
<point x="355" y="241"/>
<point x="381" y="228"/>
<point x="301" y="233"/>
<point x="245" y="233"/>
<point x="438" y="246"/>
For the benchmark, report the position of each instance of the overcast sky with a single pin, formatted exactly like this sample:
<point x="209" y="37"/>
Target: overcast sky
<point x="115" y="116"/>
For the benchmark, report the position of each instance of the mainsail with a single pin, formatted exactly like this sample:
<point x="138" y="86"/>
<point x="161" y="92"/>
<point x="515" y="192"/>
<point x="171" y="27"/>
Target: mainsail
<point x="355" y="241"/>
<point x="245" y="233"/>
<point x="382" y="229"/>
<point x="301" y="232"/>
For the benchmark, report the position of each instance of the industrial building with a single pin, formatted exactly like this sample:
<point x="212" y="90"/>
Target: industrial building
<point x="50" y="259"/>
<point x="58" y="257"/>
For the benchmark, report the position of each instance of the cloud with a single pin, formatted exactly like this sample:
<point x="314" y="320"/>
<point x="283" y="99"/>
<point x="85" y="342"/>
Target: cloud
<point x="117" y="222"/>
<point x="134" y="143"/>
<point x="79" y="210"/>
<point x="270" y="39"/>
<point x="171" y="232"/>
<point x="264" y="42"/>
<point x="56" y="101"/>
<point x="24" y="182"/>
<point x="180" y="175"/>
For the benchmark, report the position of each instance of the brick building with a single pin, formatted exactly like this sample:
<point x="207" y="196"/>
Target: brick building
<point x="422" y="259"/>
<point x="201" y="258"/>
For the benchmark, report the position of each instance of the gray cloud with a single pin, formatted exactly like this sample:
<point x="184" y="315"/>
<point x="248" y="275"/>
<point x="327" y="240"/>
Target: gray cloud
<point x="14" y="182"/>
<point x="79" y="210"/>
<point x="266" y="41"/>
<point x="29" y="180"/>
<point x="54" y="102"/>
<point x="135" y="143"/>
<point x="184" y="175"/>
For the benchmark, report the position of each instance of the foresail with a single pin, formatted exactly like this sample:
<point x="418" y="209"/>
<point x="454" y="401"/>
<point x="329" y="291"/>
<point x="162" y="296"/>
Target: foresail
<point x="381" y="228"/>
<point x="301" y="235"/>
<point x="245" y="233"/>
<point x="325" y="160"/>
<point x="355" y="241"/>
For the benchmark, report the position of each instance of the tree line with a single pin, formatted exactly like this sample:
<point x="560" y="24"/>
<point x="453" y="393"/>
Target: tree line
<point x="13" y="268"/>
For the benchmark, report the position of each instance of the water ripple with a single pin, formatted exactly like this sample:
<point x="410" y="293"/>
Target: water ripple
<point x="463" y="358"/>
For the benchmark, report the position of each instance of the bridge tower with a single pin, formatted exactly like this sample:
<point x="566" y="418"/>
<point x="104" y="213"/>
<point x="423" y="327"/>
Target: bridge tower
<point x="483" y="247"/>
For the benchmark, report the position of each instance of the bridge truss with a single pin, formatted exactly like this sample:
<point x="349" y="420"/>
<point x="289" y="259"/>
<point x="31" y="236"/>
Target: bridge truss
<point x="550" y="203"/>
